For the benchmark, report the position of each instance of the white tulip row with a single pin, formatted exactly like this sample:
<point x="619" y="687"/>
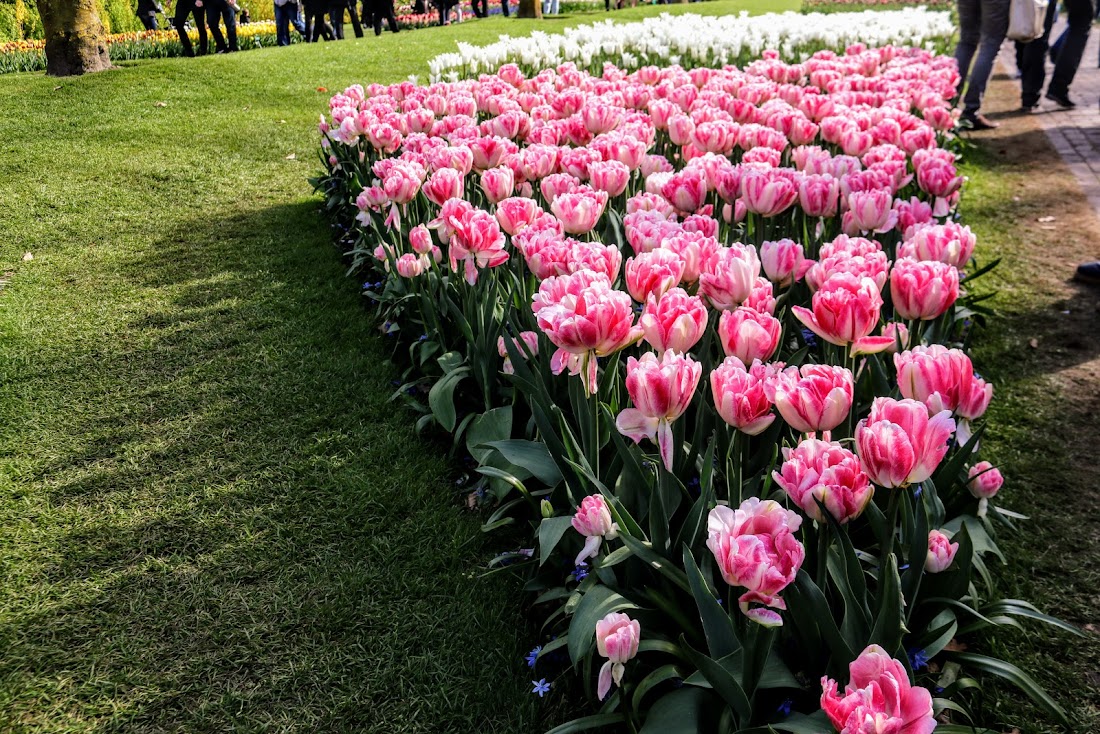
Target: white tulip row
<point x="694" y="40"/>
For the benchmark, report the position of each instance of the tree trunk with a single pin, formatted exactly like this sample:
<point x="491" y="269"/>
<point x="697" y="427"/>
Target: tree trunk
<point x="529" y="9"/>
<point x="76" y="42"/>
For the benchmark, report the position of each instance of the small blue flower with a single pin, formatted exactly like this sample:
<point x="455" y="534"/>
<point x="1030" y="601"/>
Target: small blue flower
<point x="423" y="338"/>
<point x="580" y="573"/>
<point x="785" y="707"/>
<point x="809" y="337"/>
<point x="367" y="285"/>
<point x="918" y="491"/>
<point x="677" y="682"/>
<point x="533" y="656"/>
<point x="541" y="687"/>
<point x="719" y="600"/>
<point x="939" y="689"/>
<point x="918" y="658"/>
<point x="902" y="568"/>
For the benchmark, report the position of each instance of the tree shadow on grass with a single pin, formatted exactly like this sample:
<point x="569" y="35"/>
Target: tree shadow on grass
<point x="233" y="528"/>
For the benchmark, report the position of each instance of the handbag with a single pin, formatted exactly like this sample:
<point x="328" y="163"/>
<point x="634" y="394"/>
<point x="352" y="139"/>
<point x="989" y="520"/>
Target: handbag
<point x="1025" y="19"/>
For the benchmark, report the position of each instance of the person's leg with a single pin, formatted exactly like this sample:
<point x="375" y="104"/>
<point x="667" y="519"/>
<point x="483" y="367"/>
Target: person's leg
<point x="356" y="26"/>
<point x="213" y="19"/>
<point x="970" y="31"/>
<point x="504" y="6"/>
<point x="149" y="22"/>
<point x="282" y="25"/>
<point x="1079" y="15"/>
<point x="179" y="20"/>
<point x="336" y="14"/>
<point x="200" y="26"/>
<point x="391" y="18"/>
<point x="1034" y="62"/>
<point x="994" y="25"/>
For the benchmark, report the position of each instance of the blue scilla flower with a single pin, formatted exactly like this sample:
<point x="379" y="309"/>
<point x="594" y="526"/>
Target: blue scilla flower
<point x="809" y="337"/>
<point x="785" y="707"/>
<point x="580" y="573"/>
<point x="918" y="658"/>
<point x="533" y="656"/>
<point x="918" y="491"/>
<point x="541" y="687"/>
<point x="423" y="338"/>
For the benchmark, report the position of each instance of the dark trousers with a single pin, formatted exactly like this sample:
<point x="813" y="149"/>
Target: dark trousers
<point x="284" y="16"/>
<point x="185" y="8"/>
<point x="336" y="16"/>
<point x="982" y="28"/>
<point x="481" y="8"/>
<point x="149" y="21"/>
<point x="375" y="11"/>
<point x="1066" y="52"/>
<point x="216" y="12"/>
<point x="316" y="25"/>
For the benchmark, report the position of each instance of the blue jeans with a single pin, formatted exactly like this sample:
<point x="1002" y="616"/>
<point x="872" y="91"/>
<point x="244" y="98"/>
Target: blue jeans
<point x="284" y="16"/>
<point x="982" y="27"/>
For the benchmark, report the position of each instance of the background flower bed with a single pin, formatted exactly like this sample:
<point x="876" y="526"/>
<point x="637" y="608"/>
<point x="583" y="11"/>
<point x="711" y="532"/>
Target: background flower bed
<point x="582" y="440"/>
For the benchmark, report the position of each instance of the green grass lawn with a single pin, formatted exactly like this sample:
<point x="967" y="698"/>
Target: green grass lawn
<point x="211" y="519"/>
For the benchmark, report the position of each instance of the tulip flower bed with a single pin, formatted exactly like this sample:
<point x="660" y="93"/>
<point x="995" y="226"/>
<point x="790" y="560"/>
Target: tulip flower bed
<point x="31" y="55"/>
<point x="693" y="40"/>
<point x="705" y="334"/>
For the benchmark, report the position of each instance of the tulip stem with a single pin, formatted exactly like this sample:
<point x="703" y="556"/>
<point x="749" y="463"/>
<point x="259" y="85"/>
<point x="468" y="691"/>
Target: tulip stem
<point x="891" y="524"/>
<point x="822" y="554"/>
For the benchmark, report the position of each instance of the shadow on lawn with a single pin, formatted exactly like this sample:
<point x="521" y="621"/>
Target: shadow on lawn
<point x="241" y="537"/>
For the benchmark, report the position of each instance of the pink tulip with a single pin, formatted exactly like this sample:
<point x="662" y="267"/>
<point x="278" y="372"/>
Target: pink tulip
<point x="420" y="239"/>
<point x="756" y="549"/>
<point x="814" y="397"/>
<point x="748" y="334"/>
<point x="693" y="248"/>
<point x="593" y="521"/>
<point x="661" y="391"/>
<point x="585" y="318"/>
<point x="517" y="212"/>
<point x="974" y="400"/>
<point x="923" y="289"/>
<point x="444" y="184"/>
<point x="686" y="190"/>
<point x="740" y="396"/>
<point x="530" y="340"/>
<point x="762" y="298"/>
<point x="879" y="698"/>
<point x="557" y="184"/>
<point x="681" y="129"/>
<point x="783" y="261"/>
<point x="985" y="481"/>
<point x="819" y="471"/>
<point x="410" y="265"/>
<point x="477" y="241"/>
<point x="728" y="276"/>
<point x="934" y="375"/>
<point x="899" y="444"/>
<point x="673" y="321"/>
<point x="768" y="192"/>
<point x="948" y="243"/>
<point x="870" y="211"/>
<point x="653" y="273"/>
<point x="898" y="333"/>
<point x="941" y="552"/>
<point x="844" y="312"/>
<point x="490" y="151"/>
<point x="580" y="210"/>
<point x="617" y="638"/>
<point x="498" y="183"/>
<point x="611" y="177"/>
<point x="859" y="256"/>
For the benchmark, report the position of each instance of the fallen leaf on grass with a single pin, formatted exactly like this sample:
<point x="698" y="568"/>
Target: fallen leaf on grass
<point x="1044" y="220"/>
<point x="322" y="89"/>
<point x="27" y="257"/>
<point x="1033" y="343"/>
<point x="160" y="104"/>
<point x="57" y="87"/>
<point x="291" y="157"/>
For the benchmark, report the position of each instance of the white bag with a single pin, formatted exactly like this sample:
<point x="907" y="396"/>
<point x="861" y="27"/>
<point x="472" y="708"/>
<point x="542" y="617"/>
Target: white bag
<point x="1025" y="19"/>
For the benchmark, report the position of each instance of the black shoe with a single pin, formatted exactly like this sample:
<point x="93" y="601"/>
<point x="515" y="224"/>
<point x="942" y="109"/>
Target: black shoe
<point x="1030" y="109"/>
<point x="1088" y="273"/>
<point x="1062" y="100"/>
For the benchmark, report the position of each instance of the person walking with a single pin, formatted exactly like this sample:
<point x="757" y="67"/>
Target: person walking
<point x="185" y="8"/>
<point x="147" y="13"/>
<point x="316" y="25"/>
<point x="216" y="11"/>
<point x="1066" y="54"/>
<point x="375" y="11"/>
<point x="982" y="28"/>
<point x="286" y="11"/>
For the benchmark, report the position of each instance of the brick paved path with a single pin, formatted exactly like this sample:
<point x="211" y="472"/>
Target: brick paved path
<point x="1075" y="134"/>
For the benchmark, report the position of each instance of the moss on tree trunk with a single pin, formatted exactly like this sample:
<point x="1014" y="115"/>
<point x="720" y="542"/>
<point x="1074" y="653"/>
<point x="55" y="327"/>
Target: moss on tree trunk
<point x="76" y="42"/>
